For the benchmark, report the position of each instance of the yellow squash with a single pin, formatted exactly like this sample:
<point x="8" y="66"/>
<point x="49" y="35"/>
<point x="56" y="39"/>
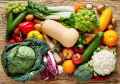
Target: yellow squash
<point x="90" y="38"/>
<point x="105" y="19"/>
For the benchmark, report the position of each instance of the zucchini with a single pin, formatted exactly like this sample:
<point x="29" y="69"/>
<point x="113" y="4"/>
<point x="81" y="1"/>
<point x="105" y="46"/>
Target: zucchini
<point x="92" y="47"/>
<point x="10" y="20"/>
<point x="15" y="24"/>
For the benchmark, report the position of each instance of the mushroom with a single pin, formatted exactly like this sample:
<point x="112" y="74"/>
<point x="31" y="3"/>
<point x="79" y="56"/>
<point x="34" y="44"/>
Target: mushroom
<point x="100" y="8"/>
<point x="89" y="6"/>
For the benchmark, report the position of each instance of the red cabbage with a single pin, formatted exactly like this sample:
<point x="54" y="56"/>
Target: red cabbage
<point x="51" y="67"/>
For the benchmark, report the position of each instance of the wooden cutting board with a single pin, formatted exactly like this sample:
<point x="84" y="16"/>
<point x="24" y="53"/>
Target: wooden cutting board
<point x="63" y="78"/>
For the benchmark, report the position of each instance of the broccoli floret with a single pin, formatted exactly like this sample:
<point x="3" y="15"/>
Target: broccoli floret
<point x="86" y="20"/>
<point x="83" y="73"/>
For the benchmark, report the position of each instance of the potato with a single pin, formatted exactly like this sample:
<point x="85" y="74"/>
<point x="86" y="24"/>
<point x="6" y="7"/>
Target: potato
<point x="29" y="17"/>
<point x="37" y="21"/>
<point x="38" y="27"/>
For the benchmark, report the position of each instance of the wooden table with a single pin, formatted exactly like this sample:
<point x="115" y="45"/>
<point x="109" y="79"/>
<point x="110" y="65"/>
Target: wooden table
<point x="63" y="78"/>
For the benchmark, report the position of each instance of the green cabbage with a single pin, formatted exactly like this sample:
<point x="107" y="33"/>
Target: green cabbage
<point x="23" y="61"/>
<point x="85" y="20"/>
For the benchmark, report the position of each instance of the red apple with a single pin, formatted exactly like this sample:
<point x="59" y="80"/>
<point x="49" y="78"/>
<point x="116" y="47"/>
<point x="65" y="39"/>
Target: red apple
<point x="67" y="53"/>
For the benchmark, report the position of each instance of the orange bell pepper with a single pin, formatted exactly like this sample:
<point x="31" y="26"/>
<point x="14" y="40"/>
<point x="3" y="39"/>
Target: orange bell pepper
<point x="90" y="38"/>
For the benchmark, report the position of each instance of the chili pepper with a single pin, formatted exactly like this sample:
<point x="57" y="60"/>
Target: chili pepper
<point x="17" y="31"/>
<point x="18" y="38"/>
<point x="107" y="77"/>
<point x="99" y="78"/>
<point x="94" y="79"/>
<point x="12" y="41"/>
<point x="26" y="27"/>
<point x="35" y="34"/>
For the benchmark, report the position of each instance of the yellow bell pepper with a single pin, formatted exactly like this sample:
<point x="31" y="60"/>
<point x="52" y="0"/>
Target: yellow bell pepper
<point x="90" y="38"/>
<point x="35" y="34"/>
<point x="105" y="19"/>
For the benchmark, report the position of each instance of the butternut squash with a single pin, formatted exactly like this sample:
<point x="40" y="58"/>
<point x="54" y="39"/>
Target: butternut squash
<point x="105" y="19"/>
<point x="90" y="38"/>
<point x="66" y="36"/>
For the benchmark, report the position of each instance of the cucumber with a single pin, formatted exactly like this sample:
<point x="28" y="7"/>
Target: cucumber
<point x="10" y="20"/>
<point x="92" y="47"/>
<point x="15" y="24"/>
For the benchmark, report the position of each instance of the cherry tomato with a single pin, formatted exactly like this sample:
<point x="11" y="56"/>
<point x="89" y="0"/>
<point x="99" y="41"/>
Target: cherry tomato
<point x="77" y="50"/>
<point x="19" y="39"/>
<point x="17" y="31"/>
<point x="67" y="53"/>
<point x="77" y="7"/>
<point x="12" y="41"/>
<point x="77" y="58"/>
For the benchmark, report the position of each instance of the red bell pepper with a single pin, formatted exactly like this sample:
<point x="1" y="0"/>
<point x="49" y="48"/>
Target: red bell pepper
<point x="26" y="27"/>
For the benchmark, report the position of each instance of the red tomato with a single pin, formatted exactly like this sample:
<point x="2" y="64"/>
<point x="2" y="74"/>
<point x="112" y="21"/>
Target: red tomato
<point x="77" y="7"/>
<point x="17" y="31"/>
<point x="77" y="58"/>
<point x="67" y="53"/>
<point x="77" y="50"/>
<point x="19" y="39"/>
<point x="12" y="41"/>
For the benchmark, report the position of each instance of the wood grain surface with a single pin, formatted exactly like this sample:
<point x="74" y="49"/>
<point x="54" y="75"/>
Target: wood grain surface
<point x="63" y="78"/>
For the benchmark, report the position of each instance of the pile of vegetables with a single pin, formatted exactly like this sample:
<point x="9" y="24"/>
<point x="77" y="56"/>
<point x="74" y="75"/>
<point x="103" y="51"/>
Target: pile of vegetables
<point x="49" y="40"/>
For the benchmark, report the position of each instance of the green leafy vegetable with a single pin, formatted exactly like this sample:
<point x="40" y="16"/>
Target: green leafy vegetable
<point x="37" y="9"/>
<point x="23" y="61"/>
<point x="59" y="47"/>
<point x="68" y="21"/>
<point x="81" y="41"/>
<point x="86" y="20"/>
<point x="83" y="73"/>
<point x="44" y="12"/>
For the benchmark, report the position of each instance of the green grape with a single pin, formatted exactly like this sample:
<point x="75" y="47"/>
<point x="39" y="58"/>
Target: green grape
<point x="17" y="10"/>
<point x="13" y="6"/>
<point x="14" y="10"/>
<point x="24" y="8"/>
<point x="20" y="2"/>
<point x="22" y="5"/>
<point x="10" y="3"/>
<point x="17" y="5"/>
<point x="10" y="8"/>
<point x="14" y="3"/>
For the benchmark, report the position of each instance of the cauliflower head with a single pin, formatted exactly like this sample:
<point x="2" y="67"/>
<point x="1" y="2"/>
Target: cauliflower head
<point x="103" y="61"/>
<point x="85" y="20"/>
